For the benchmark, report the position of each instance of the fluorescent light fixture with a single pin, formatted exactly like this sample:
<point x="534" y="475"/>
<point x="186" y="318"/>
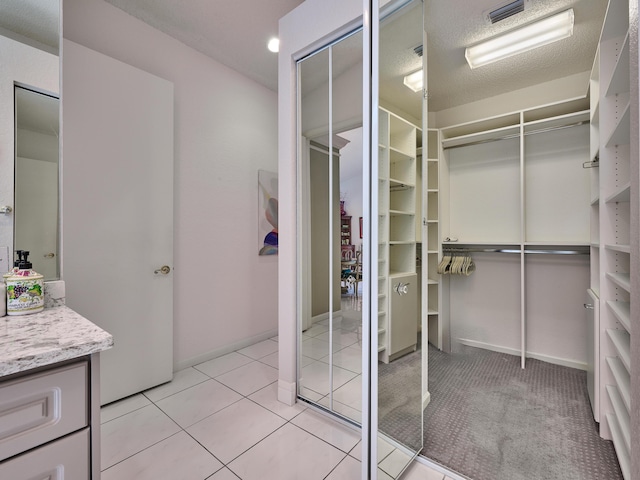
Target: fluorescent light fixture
<point x="533" y="35"/>
<point x="414" y="80"/>
<point x="274" y="45"/>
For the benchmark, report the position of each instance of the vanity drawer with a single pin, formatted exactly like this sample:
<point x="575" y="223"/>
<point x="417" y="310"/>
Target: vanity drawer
<point x="41" y="407"/>
<point x="64" y="459"/>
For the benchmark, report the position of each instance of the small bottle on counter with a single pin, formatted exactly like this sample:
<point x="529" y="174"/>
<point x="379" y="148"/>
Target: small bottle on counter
<point x="25" y="287"/>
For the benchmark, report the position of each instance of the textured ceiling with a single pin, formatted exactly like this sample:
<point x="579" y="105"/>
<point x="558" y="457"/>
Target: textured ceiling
<point x="37" y="20"/>
<point x="235" y="33"/>
<point x="455" y="24"/>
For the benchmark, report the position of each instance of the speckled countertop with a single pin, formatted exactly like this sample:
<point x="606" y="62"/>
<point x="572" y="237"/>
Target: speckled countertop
<point x="53" y="335"/>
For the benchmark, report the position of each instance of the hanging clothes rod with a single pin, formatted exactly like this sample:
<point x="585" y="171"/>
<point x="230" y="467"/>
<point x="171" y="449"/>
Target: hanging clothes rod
<point x="552" y="250"/>
<point x="516" y="135"/>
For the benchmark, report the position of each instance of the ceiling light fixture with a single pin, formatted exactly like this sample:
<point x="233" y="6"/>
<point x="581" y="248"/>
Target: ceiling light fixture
<point x="414" y="80"/>
<point x="533" y="35"/>
<point x="274" y="45"/>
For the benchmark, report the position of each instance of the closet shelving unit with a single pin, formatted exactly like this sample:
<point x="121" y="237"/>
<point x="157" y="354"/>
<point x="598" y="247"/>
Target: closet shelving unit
<point x="397" y="334"/>
<point x="437" y="331"/>
<point x="516" y="216"/>
<point x="610" y="129"/>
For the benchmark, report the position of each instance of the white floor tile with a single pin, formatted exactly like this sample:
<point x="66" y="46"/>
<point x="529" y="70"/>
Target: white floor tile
<point x="195" y="403"/>
<point x="316" y="377"/>
<point x="395" y="462"/>
<point x="350" y="393"/>
<point x="181" y="380"/>
<point x="131" y="433"/>
<point x="178" y="456"/>
<point x="304" y="361"/>
<point x="309" y="394"/>
<point x="271" y="360"/>
<point x="348" y="469"/>
<point x="349" y="358"/>
<point x="384" y="449"/>
<point x="122" y="407"/>
<point x="223" y="364"/>
<point x="383" y="476"/>
<point x="340" y="337"/>
<point x="268" y="398"/>
<point x="338" y="435"/>
<point x="249" y="378"/>
<point x="235" y="429"/>
<point x="316" y="349"/>
<point x="286" y="453"/>
<point x="417" y="471"/>
<point x="259" y="350"/>
<point x="342" y="409"/>
<point x="224" y="474"/>
<point x="316" y="329"/>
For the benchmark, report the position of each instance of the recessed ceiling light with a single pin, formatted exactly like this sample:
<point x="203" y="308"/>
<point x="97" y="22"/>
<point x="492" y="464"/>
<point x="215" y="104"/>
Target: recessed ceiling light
<point x="274" y="45"/>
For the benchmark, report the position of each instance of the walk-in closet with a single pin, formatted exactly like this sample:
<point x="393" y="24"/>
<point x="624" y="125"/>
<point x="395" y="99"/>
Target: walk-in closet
<point x="494" y="296"/>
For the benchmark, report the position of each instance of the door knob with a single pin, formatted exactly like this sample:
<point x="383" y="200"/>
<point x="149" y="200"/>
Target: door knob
<point x="588" y="306"/>
<point x="165" y="269"/>
<point x="49" y="255"/>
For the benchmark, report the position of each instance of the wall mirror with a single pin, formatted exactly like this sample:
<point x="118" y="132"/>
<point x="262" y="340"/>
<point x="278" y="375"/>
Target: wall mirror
<point x="36" y="204"/>
<point x="330" y="147"/>
<point x="29" y="129"/>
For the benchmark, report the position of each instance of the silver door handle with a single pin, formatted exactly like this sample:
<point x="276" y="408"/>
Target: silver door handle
<point x="164" y="270"/>
<point x="6" y="209"/>
<point x="588" y="306"/>
<point x="49" y="255"/>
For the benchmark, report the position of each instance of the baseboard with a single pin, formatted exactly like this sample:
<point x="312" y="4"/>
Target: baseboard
<point x="324" y="316"/>
<point x="564" y="362"/>
<point x="218" y="352"/>
<point x="426" y="400"/>
<point x="287" y="392"/>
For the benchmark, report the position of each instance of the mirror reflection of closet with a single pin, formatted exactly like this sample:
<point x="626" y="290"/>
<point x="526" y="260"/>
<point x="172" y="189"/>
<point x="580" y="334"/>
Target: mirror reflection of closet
<point x="330" y="361"/>
<point x="400" y="359"/>
<point x="36" y="203"/>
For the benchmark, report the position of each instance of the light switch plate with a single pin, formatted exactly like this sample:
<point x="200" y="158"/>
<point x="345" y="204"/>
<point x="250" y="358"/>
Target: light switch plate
<point x="4" y="260"/>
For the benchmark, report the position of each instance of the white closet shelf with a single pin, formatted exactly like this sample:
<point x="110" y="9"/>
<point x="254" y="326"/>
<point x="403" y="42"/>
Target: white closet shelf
<point x="624" y="421"/>
<point x="432" y="312"/>
<point x="596" y="201"/>
<point x="622" y="341"/>
<point x="621" y="194"/>
<point x="396" y="183"/>
<point x="432" y="160"/>
<point x="622" y="379"/>
<point x="401" y="242"/>
<point x="620" y="279"/>
<point x="432" y="252"/>
<point x="399" y="155"/>
<point x="621" y="134"/>
<point x="615" y="21"/>
<point x="619" y="81"/>
<point x="381" y="331"/>
<point x="558" y="121"/>
<point x="622" y="311"/>
<point x="483" y="136"/>
<point x="398" y="213"/>
<point x="594" y="245"/>
<point x="618" y="443"/>
<point x="618" y="248"/>
<point x="431" y="281"/>
<point x="393" y="273"/>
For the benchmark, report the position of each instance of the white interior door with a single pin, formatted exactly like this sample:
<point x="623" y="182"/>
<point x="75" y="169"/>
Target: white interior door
<point x="118" y="213"/>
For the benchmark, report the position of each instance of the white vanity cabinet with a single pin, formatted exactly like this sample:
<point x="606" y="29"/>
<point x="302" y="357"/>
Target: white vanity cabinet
<point x="50" y="396"/>
<point x="46" y="426"/>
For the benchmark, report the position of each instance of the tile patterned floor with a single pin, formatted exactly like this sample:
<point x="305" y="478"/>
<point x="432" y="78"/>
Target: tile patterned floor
<point x="220" y="420"/>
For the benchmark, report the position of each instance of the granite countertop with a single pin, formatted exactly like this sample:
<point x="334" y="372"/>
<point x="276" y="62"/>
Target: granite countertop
<point x="53" y="335"/>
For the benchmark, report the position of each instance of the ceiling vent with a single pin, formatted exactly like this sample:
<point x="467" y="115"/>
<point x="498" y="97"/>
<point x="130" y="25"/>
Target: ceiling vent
<point x="418" y="50"/>
<point x="506" y="11"/>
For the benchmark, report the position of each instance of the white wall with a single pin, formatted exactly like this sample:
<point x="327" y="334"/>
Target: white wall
<point x="225" y="131"/>
<point x="30" y="67"/>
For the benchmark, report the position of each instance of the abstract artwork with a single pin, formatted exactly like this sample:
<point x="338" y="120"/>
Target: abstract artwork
<point x="267" y="213"/>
